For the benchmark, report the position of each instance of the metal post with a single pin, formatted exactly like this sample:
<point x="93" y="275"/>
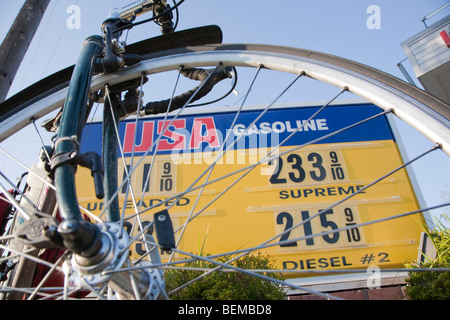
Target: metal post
<point x="17" y="41"/>
<point x="405" y="73"/>
<point x="434" y="12"/>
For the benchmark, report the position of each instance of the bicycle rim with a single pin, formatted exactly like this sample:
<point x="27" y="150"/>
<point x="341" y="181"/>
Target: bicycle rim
<point x="292" y="221"/>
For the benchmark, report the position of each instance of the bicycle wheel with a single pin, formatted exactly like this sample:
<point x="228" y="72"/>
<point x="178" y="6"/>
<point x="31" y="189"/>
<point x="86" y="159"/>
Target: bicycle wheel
<point x="309" y="197"/>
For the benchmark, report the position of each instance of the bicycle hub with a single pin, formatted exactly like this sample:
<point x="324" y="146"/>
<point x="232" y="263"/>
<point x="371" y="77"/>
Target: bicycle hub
<point x="105" y="268"/>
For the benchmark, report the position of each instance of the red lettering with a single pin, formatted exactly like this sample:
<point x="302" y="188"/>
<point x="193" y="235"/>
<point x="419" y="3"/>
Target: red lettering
<point x="171" y="140"/>
<point x="146" y="137"/>
<point x="208" y="126"/>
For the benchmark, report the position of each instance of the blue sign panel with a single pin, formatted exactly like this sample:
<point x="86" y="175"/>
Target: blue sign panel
<point x="200" y="132"/>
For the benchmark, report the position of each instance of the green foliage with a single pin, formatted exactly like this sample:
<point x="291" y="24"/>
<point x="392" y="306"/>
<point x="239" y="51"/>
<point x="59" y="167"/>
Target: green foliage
<point x="222" y="285"/>
<point x="433" y="285"/>
<point x="429" y="285"/>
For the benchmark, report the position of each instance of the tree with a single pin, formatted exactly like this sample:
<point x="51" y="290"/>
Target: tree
<point x="434" y="285"/>
<point x="222" y="285"/>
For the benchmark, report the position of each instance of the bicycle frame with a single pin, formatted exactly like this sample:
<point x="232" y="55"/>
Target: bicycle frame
<point x="79" y="236"/>
<point x="66" y="155"/>
<point x="74" y="112"/>
<point x="94" y="246"/>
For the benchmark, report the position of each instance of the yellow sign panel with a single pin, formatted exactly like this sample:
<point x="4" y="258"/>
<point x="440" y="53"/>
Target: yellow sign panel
<point x="295" y="198"/>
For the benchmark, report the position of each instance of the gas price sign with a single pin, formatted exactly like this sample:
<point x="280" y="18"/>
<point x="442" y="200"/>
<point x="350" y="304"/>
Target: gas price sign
<point x="295" y="185"/>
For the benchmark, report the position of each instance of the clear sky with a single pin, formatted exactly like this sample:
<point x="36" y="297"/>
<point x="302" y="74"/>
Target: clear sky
<point x="335" y="27"/>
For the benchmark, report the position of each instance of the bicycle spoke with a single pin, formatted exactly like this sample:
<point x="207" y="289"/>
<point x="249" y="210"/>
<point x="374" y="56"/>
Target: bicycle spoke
<point x="30" y="257"/>
<point x="116" y="130"/>
<point x="7" y="237"/>
<point x="247" y="169"/>
<point x="268" y="156"/>
<point x="358" y="191"/>
<point x="401" y="215"/>
<point x="127" y="261"/>
<point x="150" y="170"/>
<point x="93" y="290"/>
<point x="133" y="284"/>
<point x="129" y="188"/>
<point x="154" y="143"/>
<point x="41" y="140"/>
<point x="332" y="206"/>
<point x="47" y="276"/>
<point x="25" y="291"/>
<point x="22" y="195"/>
<point x="227" y="265"/>
<point x="158" y="139"/>
<point x="268" y="245"/>
<point x="29" y="170"/>
<point x="219" y="156"/>
<point x="257" y="275"/>
<point x="46" y="182"/>
<point x="249" y="126"/>
<point x="13" y="201"/>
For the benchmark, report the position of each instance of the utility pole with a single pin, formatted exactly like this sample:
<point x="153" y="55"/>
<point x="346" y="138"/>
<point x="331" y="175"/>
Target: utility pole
<point x="18" y="40"/>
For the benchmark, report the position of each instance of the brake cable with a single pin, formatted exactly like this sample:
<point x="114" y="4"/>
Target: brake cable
<point x="155" y="17"/>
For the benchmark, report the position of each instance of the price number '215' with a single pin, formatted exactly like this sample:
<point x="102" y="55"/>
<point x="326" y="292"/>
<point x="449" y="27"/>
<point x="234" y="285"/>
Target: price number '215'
<point x="318" y="231"/>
